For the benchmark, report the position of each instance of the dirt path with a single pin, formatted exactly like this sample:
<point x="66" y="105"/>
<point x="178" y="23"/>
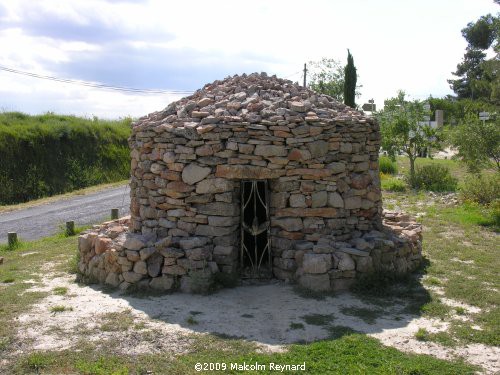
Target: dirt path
<point x="270" y="315"/>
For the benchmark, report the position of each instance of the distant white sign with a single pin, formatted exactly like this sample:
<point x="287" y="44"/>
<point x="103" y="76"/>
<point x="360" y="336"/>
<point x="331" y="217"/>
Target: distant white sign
<point x="484" y="115"/>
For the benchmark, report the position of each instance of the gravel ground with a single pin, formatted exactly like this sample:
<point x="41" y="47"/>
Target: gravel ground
<point x="45" y="220"/>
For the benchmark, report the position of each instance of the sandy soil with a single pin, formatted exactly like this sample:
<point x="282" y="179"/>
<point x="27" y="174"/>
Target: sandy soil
<point x="260" y="313"/>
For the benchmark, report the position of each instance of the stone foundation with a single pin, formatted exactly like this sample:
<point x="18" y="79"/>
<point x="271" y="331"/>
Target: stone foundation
<point x="111" y="254"/>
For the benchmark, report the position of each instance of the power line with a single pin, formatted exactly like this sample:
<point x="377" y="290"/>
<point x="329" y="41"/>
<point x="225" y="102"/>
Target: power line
<point x="291" y="75"/>
<point x="94" y="84"/>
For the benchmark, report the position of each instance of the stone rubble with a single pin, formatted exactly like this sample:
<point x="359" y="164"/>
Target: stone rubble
<point x="187" y="162"/>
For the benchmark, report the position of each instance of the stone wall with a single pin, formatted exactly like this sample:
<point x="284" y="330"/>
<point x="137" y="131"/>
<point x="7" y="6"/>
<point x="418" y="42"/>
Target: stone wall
<point x="320" y="158"/>
<point x="111" y="254"/>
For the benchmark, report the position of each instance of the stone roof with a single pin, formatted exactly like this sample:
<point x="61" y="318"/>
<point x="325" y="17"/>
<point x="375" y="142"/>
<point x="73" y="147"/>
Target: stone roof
<point x="250" y="99"/>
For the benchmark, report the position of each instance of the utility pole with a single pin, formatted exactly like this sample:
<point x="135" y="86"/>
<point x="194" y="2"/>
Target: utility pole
<point x="305" y="73"/>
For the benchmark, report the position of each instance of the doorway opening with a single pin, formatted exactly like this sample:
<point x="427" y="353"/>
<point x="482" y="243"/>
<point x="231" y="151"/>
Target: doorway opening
<point x="255" y="252"/>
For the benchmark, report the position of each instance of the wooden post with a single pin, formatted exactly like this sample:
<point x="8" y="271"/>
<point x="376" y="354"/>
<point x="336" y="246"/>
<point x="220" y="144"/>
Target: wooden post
<point x="12" y="239"/>
<point x="70" y="228"/>
<point x="305" y="73"/>
<point x="114" y="213"/>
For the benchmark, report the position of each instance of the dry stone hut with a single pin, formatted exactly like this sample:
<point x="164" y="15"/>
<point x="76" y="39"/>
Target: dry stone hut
<point x="257" y="177"/>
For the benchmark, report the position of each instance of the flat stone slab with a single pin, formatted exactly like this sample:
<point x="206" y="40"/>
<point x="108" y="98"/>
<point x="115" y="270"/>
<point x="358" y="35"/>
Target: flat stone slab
<point x="352" y="251"/>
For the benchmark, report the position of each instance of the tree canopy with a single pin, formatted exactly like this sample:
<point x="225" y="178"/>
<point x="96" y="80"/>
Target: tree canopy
<point x="350" y="78"/>
<point x="477" y="78"/>
<point x="402" y="130"/>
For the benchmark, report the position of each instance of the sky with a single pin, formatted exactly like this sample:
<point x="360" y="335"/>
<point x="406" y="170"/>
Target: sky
<point x="183" y="45"/>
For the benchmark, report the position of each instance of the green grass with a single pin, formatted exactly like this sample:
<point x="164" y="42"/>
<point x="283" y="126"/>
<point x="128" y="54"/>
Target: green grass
<point x="422" y="334"/>
<point x="49" y="253"/>
<point x="60" y="290"/>
<point x="467" y="214"/>
<point x="58" y="154"/>
<point x="318" y="319"/>
<point x="390" y="183"/>
<point x="116" y="321"/>
<point x="368" y="316"/>
<point x="350" y="354"/>
<point x="59" y="309"/>
<point x="296" y="326"/>
<point x="457" y="170"/>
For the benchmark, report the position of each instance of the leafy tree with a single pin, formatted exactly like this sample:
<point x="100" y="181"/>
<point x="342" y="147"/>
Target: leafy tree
<point x="477" y="77"/>
<point x="327" y="77"/>
<point x="481" y="34"/>
<point x="478" y="142"/>
<point x="401" y="129"/>
<point x="469" y="72"/>
<point x="350" y="81"/>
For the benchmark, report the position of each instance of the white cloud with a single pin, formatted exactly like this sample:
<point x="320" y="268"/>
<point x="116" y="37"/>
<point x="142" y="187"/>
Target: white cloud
<point x="182" y="45"/>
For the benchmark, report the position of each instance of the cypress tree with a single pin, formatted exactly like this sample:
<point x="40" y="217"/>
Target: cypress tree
<point x="350" y="78"/>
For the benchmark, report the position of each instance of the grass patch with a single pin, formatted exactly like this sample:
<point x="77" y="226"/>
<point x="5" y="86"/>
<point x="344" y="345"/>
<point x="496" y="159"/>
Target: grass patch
<point x="460" y="310"/>
<point x="318" y="319"/>
<point x="354" y="354"/>
<point x="295" y="326"/>
<point x="117" y="321"/>
<point x="369" y="316"/>
<point x="59" y="309"/>
<point x="60" y="290"/>
<point x="392" y="183"/>
<point x="467" y="214"/>
<point x="422" y="334"/>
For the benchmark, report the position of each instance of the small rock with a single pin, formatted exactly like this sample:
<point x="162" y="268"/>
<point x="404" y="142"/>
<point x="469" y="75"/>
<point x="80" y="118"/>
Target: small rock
<point x="193" y="173"/>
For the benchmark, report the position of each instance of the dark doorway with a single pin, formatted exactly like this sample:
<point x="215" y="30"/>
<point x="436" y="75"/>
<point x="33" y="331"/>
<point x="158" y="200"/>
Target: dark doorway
<point x="255" y="253"/>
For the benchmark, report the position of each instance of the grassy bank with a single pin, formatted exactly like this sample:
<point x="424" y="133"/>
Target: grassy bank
<point x="51" y="154"/>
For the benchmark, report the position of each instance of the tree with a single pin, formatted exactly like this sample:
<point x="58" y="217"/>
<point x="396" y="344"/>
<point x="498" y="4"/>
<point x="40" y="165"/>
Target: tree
<point x="350" y="81"/>
<point x="401" y="129"/>
<point x="478" y="142"/>
<point x="480" y="34"/>
<point x="477" y="78"/>
<point x="469" y="71"/>
<point x="327" y="77"/>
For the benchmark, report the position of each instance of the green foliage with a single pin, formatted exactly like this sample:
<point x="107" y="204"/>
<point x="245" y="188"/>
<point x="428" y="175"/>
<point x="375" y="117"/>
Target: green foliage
<point x="350" y="78"/>
<point x="103" y="366"/>
<point x="387" y="166"/>
<point x="433" y="177"/>
<point x="482" y="189"/>
<point x="422" y="334"/>
<point x="401" y="131"/>
<point x="478" y="142"/>
<point x="482" y="33"/>
<point x="393" y="184"/>
<point x="477" y="77"/>
<point x="50" y="154"/>
<point x="327" y="77"/>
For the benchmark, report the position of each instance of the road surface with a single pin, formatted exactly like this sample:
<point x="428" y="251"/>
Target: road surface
<point x="47" y="219"/>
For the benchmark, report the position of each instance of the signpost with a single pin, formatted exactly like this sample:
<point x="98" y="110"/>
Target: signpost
<point x="484" y="116"/>
<point x="370" y="106"/>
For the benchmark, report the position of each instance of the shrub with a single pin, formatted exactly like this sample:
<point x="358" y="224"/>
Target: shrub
<point x="51" y="154"/>
<point x="387" y="166"/>
<point x="433" y="177"/>
<point x="482" y="189"/>
<point x="393" y="184"/>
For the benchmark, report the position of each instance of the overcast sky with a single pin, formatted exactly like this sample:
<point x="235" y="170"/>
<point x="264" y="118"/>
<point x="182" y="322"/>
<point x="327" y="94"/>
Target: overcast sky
<point x="182" y="45"/>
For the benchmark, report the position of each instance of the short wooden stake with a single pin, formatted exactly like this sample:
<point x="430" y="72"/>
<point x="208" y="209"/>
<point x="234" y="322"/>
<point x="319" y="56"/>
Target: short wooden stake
<point x="12" y="238"/>
<point x="114" y="213"/>
<point x="70" y="228"/>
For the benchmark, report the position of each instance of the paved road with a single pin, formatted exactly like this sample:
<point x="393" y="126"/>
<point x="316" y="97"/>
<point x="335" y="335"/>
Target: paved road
<point x="47" y="219"/>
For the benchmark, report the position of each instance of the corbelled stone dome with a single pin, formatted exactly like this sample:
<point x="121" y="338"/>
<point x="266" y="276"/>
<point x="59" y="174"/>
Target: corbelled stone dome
<point x="254" y="177"/>
<point x="253" y="99"/>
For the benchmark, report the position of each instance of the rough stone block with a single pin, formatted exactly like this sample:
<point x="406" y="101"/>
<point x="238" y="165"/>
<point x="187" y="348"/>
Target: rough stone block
<point x="318" y="283"/>
<point x="316" y="263"/>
